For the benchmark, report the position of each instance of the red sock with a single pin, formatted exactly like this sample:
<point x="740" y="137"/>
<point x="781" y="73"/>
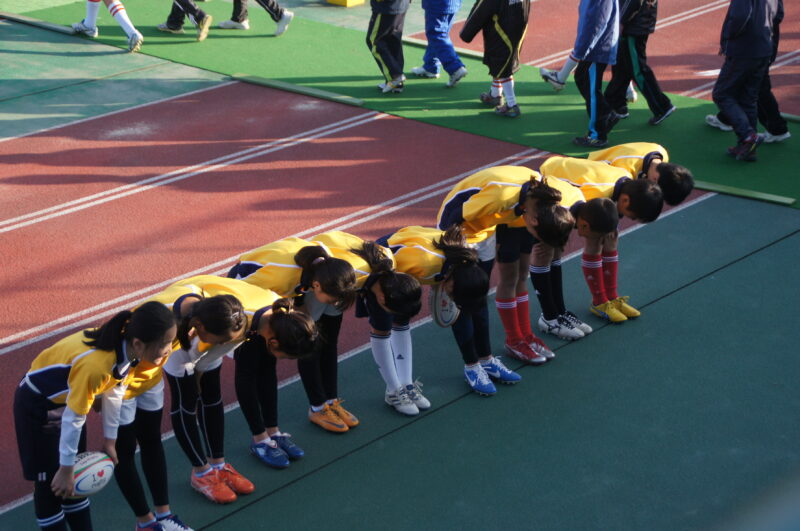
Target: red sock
<point x="592" y="265"/>
<point x="610" y="264"/>
<point x="523" y="315"/>
<point x="507" y="308"/>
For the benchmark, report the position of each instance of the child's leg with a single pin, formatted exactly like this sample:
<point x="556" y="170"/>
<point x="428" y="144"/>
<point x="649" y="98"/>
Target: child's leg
<point x="92" y="10"/>
<point x="403" y="351"/>
<point x="610" y="266"/>
<point x="592" y="264"/>
<point x="508" y="90"/>
<point x="117" y="11"/>
<point x="211" y="416"/>
<point x="540" y="272"/>
<point x="521" y="295"/>
<point x="384" y="358"/>
<point x="154" y="462"/>
<point x="383" y="40"/>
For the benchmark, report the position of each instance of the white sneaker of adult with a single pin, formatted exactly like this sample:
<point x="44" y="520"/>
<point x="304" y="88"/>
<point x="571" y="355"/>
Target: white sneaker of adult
<point x="283" y="23"/>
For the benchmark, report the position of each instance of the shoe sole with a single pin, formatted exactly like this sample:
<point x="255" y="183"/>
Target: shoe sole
<point x="203" y="27"/>
<point x="479" y="393"/>
<point x="498" y="379"/>
<point x="330" y="428"/>
<point x="523" y="359"/>
<point x="605" y="316"/>
<point x="559" y="335"/>
<point x="279" y="467"/>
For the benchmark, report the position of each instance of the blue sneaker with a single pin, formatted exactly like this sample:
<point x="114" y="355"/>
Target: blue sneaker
<point x="495" y="369"/>
<point x="479" y="381"/>
<point x="270" y="454"/>
<point x="173" y="523"/>
<point x="286" y="444"/>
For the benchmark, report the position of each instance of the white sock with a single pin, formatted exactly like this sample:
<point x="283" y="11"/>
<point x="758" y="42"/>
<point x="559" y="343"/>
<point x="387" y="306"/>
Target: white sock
<point x="497" y="88"/>
<point x="317" y="409"/>
<point x="117" y="11"/>
<point x="403" y="359"/>
<point x="567" y="69"/>
<point x="382" y="354"/>
<point x="508" y="90"/>
<point x="218" y="466"/>
<point x="92" y="8"/>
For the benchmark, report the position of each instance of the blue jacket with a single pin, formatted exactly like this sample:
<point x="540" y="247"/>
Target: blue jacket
<point x="598" y="32"/>
<point x="749" y="28"/>
<point x="441" y="6"/>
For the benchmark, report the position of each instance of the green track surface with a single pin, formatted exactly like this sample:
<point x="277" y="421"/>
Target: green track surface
<point x="678" y="420"/>
<point x="336" y="59"/>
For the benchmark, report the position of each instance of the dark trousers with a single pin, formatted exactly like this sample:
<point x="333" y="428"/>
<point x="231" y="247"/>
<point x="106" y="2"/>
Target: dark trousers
<point x="271" y="6"/>
<point x="180" y="10"/>
<point x="632" y="66"/>
<point x="769" y="114"/>
<point x="256" y="384"/>
<point x="385" y="41"/>
<point x="319" y="373"/>
<point x="471" y="329"/>
<point x="589" y="80"/>
<point x="146" y="431"/>
<point x="736" y="92"/>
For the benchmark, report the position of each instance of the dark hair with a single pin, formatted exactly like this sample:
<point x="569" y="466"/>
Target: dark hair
<point x="148" y="323"/>
<point x="219" y="315"/>
<point x="336" y="277"/>
<point x="675" y="181"/>
<point x="470" y="282"/>
<point x="401" y="292"/>
<point x="646" y="199"/>
<point x="296" y="333"/>
<point x="555" y="221"/>
<point x="600" y="213"/>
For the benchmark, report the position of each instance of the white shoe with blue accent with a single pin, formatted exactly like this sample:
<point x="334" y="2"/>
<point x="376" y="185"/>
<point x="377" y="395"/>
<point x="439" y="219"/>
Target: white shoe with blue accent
<point x="173" y="523"/>
<point x="498" y="371"/>
<point x="478" y="380"/>
<point x="81" y="27"/>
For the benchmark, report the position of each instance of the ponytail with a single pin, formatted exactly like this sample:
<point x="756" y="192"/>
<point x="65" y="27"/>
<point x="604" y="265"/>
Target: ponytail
<point x="554" y="221"/>
<point x="148" y="323"/>
<point x="401" y="292"/>
<point x="219" y="315"/>
<point x="336" y="277"/>
<point x="470" y="282"/>
<point x="296" y="333"/>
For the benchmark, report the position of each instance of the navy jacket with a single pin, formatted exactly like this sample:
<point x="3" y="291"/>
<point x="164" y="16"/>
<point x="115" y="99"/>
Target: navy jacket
<point x="749" y="28"/>
<point x="638" y="17"/>
<point x="598" y="32"/>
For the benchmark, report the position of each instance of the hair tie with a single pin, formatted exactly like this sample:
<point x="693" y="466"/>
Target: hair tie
<point x="283" y="310"/>
<point x="318" y="260"/>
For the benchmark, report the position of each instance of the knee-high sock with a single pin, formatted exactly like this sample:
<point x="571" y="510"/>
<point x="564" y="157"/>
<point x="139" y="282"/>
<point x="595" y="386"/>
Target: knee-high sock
<point x="524" y="314"/>
<point x="117" y="11"/>
<point x="77" y="514"/>
<point x="507" y="308"/>
<point x="592" y="265"/>
<point x="557" y="286"/>
<point x="403" y="353"/>
<point x="540" y="277"/>
<point x="610" y="265"/>
<point x="508" y="91"/>
<point x="382" y="354"/>
<point x="92" y="9"/>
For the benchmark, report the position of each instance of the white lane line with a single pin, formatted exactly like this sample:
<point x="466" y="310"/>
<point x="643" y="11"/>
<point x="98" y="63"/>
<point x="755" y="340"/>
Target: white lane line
<point x="184" y="173"/>
<point x="100" y="311"/>
<point x="706" y="88"/>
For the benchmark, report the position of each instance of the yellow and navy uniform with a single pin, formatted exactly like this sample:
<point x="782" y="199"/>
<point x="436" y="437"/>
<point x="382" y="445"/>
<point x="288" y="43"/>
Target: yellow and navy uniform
<point x="592" y="178"/>
<point x="272" y="266"/>
<point x="633" y="157"/>
<point x="341" y="244"/>
<point x="503" y="24"/>
<point x="415" y="254"/>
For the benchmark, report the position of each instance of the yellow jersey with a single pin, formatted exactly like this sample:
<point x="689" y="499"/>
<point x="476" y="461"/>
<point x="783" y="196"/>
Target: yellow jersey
<point x="277" y="270"/>
<point x="593" y="179"/>
<point x="340" y="245"/>
<point x="415" y="254"/>
<point x="632" y="157"/>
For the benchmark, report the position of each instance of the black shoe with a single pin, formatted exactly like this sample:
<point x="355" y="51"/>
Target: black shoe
<point x="622" y="112"/>
<point x="611" y="120"/>
<point x="587" y="141"/>
<point x="655" y="120"/>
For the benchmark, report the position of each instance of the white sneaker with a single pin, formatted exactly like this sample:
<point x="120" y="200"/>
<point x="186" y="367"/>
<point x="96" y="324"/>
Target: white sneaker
<point x="457" y="76"/>
<point x="283" y="23"/>
<point x="232" y="24"/>
<point x="630" y="94"/>
<point x="80" y="27"/>
<point x="713" y="121"/>
<point x="420" y="71"/>
<point x="135" y="42"/>
<point x="577" y="323"/>
<point x="401" y="402"/>
<point x="167" y="29"/>
<point x="560" y="327"/>
<point x="396" y="85"/>
<point x="415" y="394"/>
<point x="551" y="76"/>
<point x="769" y="138"/>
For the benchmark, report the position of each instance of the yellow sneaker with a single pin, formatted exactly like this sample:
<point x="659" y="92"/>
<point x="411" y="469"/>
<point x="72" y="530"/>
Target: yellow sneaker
<point x="327" y="419"/>
<point x="347" y="417"/>
<point x="608" y="310"/>
<point x="621" y="303"/>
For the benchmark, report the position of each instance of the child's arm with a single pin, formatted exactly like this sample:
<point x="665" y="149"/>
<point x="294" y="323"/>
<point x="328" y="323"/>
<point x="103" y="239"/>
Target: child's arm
<point x="479" y="15"/>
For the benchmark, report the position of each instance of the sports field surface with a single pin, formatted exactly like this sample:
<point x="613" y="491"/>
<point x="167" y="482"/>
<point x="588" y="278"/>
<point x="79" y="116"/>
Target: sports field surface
<point x="122" y="173"/>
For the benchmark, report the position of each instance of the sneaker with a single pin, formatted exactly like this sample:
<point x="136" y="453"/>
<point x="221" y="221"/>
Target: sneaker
<point x="232" y="24"/>
<point x="630" y="93"/>
<point x="588" y="141"/>
<point x="348" y="418"/>
<point x="657" y="119"/>
<point x="173" y="523"/>
<point x="213" y="487"/>
<point x="203" y="26"/>
<point x="327" y="419"/>
<point x="167" y="29"/>
<point x="401" y="402"/>
<point x="626" y="309"/>
<point x="577" y="323"/>
<point x="560" y="327"/>
<point x="234" y="480"/>
<point x="283" y="23"/>
<point x="714" y="121"/>
<point x="80" y="27"/>
<point x="153" y="526"/>
<point x="456" y="76"/>
<point x="479" y="381"/>
<point x="508" y="112"/>
<point x="395" y="86"/>
<point x="769" y="138"/>
<point x="622" y="113"/>
<point x="612" y="119"/>
<point x="608" y="311"/>
<point x="488" y="99"/>
<point x="523" y="351"/>
<point x="286" y="444"/>
<point x="420" y="71"/>
<point x="135" y="42"/>
<point x="746" y="149"/>
<point x="415" y="394"/>
<point x="497" y="370"/>
<point x="551" y="76"/>
<point x="538" y="346"/>
<point x="270" y="454"/>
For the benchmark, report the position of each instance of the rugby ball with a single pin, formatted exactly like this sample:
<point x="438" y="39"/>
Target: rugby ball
<point x="443" y="310"/>
<point x="93" y="471"/>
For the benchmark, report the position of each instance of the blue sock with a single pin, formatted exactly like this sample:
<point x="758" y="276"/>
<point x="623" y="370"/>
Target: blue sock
<point x="161" y="516"/>
<point x="142" y="525"/>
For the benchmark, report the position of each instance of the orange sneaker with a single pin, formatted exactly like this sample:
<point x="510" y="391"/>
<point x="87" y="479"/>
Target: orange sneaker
<point x="237" y="482"/>
<point x="327" y="419"/>
<point x="212" y="487"/>
<point x="347" y="417"/>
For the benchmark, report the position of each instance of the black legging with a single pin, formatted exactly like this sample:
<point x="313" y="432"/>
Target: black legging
<point x="471" y="330"/>
<point x="189" y="421"/>
<point x="319" y="372"/>
<point x="146" y="430"/>
<point x="256" y="384"/>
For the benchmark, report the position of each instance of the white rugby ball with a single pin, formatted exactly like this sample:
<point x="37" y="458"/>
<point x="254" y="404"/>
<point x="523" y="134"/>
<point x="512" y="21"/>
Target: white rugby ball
<point x="443" y="310"/>
<point x="93" y="471"/>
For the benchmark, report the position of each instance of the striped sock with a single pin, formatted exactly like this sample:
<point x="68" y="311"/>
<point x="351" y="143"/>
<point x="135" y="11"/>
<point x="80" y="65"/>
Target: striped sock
<point x="117" y="11"/>
<point x="592" y="265"/>
<point x="610" y="265"/>
<point x="508" y="90"/>
<point x="497" y="88"/>
<point x="92" y="8"/>
<point x="54" y="523"/>
<point x="524" y="314"/>
<point x="507" y="308"/>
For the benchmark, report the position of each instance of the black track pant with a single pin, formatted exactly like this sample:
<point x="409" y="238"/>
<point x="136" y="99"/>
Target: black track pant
<point x="589" y="79"/>
<point x="319" y="373"/>
<point x="270" y="6"/>
<point x="769" y="114"/>
<point x="146" y="431"/>
<point x="632" y="66"/>
<point x="180" y="10"/>
<point x="256" y="384"/>
<point x="197" y="413"/>
<point x="385" y="41"/>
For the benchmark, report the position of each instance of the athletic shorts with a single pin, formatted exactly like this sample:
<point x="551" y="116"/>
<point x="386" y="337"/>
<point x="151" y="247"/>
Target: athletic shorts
<point x="513" y="242"/>
<point x="379" y="319"/>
